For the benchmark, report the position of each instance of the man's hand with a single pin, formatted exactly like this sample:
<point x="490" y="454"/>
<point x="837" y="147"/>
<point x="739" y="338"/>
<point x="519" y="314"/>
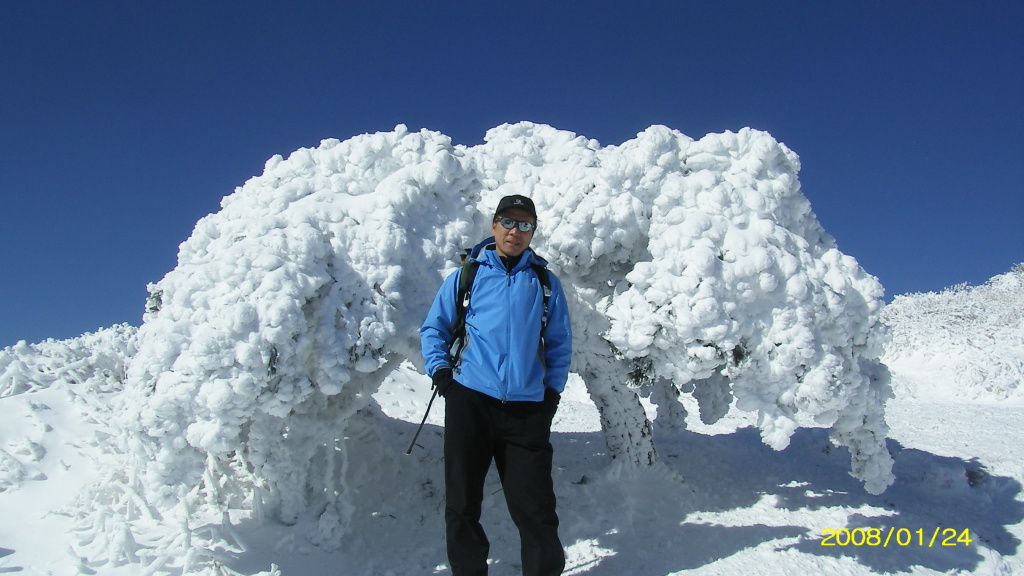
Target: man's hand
<point x="442" y="380"/>
<point x="551" y="400"/>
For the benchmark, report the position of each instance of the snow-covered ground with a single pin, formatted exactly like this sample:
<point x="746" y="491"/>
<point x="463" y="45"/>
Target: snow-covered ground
<point x="724" y="503"/>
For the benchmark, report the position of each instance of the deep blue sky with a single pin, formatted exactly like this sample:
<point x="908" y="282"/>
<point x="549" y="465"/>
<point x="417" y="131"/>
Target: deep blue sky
<point x="123" y="123"/>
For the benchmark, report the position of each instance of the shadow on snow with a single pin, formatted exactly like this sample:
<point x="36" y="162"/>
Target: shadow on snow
<point x="734" y="483"/>
<point x="715" y="497"/>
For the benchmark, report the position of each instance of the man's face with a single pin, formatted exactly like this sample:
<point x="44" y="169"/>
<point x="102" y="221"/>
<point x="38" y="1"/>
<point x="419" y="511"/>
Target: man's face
<point x="512" y="242"/>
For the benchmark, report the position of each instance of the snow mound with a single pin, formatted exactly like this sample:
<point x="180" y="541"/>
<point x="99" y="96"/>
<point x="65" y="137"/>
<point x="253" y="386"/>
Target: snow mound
<point x="975" y="333"/>
<point x="691" y="266"/>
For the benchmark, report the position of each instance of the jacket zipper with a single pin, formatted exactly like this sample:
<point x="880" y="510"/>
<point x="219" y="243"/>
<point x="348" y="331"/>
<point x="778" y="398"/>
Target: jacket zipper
<point x="508" y="331"/>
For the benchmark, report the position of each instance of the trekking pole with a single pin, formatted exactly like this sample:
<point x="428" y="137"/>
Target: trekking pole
<point x="417" y="435"/>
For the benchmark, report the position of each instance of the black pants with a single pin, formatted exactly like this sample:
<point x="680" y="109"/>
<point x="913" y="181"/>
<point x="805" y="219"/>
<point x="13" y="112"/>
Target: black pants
<point x="516" y="435"/>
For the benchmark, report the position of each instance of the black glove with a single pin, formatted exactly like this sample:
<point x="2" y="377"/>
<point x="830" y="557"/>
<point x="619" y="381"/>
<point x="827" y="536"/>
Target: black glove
<point x="551" y="399"/>
<point x="442" y="380"/>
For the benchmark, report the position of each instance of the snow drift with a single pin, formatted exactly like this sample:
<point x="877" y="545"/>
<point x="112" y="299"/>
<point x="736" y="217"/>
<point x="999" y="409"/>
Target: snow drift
<point x="691" y="266"/>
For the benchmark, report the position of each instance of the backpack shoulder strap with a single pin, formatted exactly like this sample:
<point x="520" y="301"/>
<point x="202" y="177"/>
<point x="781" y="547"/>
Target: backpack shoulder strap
<point x="545" y="284"/>
<point x="466" y="276"/>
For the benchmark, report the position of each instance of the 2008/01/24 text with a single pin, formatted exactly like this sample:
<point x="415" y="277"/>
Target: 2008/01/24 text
<point x="896" y="537"/>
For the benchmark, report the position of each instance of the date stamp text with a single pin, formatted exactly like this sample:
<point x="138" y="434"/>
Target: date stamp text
<point x="896" y="537"/>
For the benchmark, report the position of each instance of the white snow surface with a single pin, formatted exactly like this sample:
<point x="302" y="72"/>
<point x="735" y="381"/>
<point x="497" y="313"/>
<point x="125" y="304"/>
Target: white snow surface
<point x="258" y="421"/>
<point x="971" y="332"/>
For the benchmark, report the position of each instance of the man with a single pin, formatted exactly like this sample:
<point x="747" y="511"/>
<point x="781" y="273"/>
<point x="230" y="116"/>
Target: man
<point x="501" y="393"/>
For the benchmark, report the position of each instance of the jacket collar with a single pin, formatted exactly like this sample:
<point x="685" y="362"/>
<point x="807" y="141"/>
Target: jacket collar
<point x="486" y="251"/>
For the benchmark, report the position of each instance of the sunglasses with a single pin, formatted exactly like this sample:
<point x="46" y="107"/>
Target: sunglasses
<point x="510" y="223"/>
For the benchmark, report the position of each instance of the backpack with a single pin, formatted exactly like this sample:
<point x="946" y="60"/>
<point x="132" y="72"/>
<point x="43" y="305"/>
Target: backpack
<point x="466" y="277"/>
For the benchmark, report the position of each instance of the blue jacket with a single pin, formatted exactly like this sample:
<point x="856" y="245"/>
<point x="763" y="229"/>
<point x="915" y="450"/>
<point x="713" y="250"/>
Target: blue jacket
<point x="503" y="356"/>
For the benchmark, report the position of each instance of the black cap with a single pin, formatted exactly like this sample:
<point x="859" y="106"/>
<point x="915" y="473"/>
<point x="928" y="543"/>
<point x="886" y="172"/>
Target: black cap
<point x="516" y="201"/>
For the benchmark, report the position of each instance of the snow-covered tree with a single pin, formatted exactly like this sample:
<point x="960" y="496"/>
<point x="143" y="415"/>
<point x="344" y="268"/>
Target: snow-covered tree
<point x="691" y="266"/>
